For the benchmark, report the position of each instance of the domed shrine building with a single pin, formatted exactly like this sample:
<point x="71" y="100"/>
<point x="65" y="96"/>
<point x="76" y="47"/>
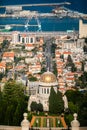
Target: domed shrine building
<point x="47" y="80"/>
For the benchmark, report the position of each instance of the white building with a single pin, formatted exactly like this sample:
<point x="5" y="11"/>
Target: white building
<point x="25" y="38"/>
<point x="42" y="94"/>
<point x="82" y="29"/>
<point x="15" y="37"/>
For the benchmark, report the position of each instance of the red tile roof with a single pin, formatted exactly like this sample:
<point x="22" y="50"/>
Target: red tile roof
<point x="8" y="54"/>
<point x="2" y="64"/>
<point x="67" y="52"/>
<point x="29" y="45"/>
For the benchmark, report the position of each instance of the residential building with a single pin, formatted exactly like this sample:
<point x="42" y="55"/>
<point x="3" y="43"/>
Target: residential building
<point x="8" y="56"/>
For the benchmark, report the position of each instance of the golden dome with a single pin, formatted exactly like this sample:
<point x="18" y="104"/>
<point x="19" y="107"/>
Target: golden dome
<point x="48" y="78"/>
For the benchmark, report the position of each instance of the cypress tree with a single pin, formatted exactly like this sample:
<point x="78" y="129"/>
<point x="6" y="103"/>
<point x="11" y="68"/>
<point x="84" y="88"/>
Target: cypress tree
<point x="17" y="115"/>
<point x="60" y="102"/>
<point x="52" y="101"/>
<point x="70" y="63"/>
<point x="56" y="104"/>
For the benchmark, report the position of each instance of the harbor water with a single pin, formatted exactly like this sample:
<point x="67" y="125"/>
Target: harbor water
<point x="45" y="24"/>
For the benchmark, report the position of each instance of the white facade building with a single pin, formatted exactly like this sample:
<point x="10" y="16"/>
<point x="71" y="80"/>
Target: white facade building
<point x="82" y="29"/>
<point x="15" y="37"/>
<point x="47" y="81"/>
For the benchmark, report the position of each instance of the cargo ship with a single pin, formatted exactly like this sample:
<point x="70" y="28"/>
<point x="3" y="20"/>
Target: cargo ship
<point x="7" y="28"/>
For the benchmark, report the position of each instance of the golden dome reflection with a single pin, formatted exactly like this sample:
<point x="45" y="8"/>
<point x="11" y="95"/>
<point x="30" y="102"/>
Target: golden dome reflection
<point x="48" y="77"/>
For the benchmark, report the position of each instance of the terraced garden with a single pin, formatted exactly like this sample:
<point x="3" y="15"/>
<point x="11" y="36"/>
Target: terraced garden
<point x="48" y="121"/>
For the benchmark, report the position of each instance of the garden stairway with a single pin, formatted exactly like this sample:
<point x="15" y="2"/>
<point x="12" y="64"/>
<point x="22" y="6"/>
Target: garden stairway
<point x="63" y="122"/>
<point x="42" y="121"/>
<point x="54" y="125"/>
<point x="32" y="121"/>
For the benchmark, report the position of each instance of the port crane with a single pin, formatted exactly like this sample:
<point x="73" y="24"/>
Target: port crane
<point x="19" y="7"/>
<point x="37" y="25"/>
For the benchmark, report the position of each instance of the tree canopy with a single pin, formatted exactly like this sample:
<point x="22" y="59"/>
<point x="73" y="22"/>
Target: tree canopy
<point x="56" y="104"/>
<point x="13" y="104"/>
<point x="70" y="63"/>
<point x="82" y="80"/>
<point x="77" y="104"/>
<point x="36" y="106"/>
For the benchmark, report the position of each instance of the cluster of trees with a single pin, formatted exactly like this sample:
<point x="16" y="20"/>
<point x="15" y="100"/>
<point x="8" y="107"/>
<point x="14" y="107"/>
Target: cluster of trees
<point x="32" y="78"/>
<point x="77" y="102"/>
<point x="82" y="80"/>
<point x="5" y="44"/>
<point x="13" y="103"/>
<point x="70" y="63"/>
<point x="36" y="107"/>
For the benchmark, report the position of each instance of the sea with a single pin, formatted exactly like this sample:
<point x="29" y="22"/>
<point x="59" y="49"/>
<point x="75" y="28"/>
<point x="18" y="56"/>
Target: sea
<point x="47" y="23"/>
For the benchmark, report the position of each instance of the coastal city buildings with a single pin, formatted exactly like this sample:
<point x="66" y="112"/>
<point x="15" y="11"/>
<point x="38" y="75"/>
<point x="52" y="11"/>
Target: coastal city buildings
<point x="42" y="60"/>
<point x="29" y="48"/>
<point x="22" y="62"/>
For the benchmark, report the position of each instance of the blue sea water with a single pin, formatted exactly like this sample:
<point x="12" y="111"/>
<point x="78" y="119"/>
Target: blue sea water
<point x="47" y="24"/>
